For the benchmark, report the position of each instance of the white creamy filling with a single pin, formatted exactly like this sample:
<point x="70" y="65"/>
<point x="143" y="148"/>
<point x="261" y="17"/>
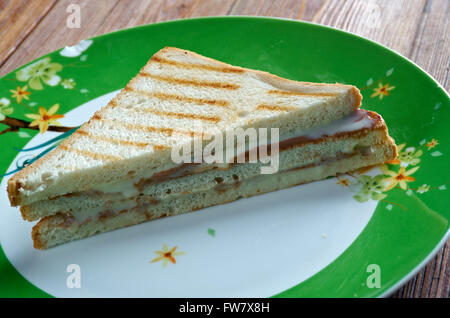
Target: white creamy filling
<point x="357" y="120"/>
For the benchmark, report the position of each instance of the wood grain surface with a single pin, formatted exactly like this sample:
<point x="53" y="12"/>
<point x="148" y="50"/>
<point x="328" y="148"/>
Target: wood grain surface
<point x="417" y="29"/>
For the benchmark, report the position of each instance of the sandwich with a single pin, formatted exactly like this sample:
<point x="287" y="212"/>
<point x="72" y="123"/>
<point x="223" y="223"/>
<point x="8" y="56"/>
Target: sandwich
<point x="118" y="169"/>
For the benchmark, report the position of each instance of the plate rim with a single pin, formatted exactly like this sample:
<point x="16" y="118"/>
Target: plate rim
<point x="418" y="268"/>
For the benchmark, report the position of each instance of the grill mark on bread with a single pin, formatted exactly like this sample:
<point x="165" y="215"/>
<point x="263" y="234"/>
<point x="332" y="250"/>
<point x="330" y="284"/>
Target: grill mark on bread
<point x="90" y="154"/>
<point x="183" y="81"/>
<point x="213" y="119"/>
<point x="318" y="94"/>
<point x="118" y="141"/>
<point x="160" y="147"/>
<point x="164" y="96"/>
<point x="223" y="69"/>
<point x="164" y="130"/>
<point x="214" y="102"/>
<point x="275" y="108"/>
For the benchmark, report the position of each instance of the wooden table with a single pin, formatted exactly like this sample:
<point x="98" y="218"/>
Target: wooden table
<point x="418" y="29"/>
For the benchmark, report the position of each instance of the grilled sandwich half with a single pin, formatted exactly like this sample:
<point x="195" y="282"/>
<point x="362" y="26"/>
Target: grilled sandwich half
<point x="118" y="170"/>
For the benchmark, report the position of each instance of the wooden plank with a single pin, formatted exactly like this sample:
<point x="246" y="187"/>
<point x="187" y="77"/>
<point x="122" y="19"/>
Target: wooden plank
<point x="131" y="13"/>
<point x="414" y="28"/>
<point x="309" y="9"/>
<point x="293" y="9"/>
<point x="101" y="16"/>
<point x="432" y="43"/>
<point x="392" y="23"/>
<point x="280" y="8"/>
<point x="53" y="33"/>
<point x="16" y="24"/>
<point x="442" y="279"/>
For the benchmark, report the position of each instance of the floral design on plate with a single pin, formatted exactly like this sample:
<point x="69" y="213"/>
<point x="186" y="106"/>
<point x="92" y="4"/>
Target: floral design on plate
<point x="394" y="174"/>
<point x="76" y="50"/>
<point x="45" y="118"/>
<point x="167" y="255"/>
<point x="68" y="83"/>
<point x="20" y="93"/>
<point x="382" y="90"/>
<point x="38" y="76"/>
<point x="380" y="87"/>
<point x="5" y="110"/>
<point x="432" y="143"/>
<point x="41" y="71"/>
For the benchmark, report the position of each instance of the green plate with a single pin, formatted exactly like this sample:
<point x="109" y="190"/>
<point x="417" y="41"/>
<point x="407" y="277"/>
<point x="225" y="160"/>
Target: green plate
<point x="409" y="218"/>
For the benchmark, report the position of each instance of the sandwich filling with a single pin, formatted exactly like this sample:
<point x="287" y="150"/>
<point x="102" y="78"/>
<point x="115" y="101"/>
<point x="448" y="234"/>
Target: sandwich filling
<point x="357" y="121"/>
<point x="150" y="190"/>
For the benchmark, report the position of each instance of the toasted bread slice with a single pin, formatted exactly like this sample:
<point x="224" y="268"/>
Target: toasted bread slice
<point x="135" y="131"/>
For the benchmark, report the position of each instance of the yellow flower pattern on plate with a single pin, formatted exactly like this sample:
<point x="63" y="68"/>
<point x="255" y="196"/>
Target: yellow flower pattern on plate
<point x="45" y="118"/>
<point x="167" y="255"/>
<point x="20" y="93"/>
<point x="382" y="90"/>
